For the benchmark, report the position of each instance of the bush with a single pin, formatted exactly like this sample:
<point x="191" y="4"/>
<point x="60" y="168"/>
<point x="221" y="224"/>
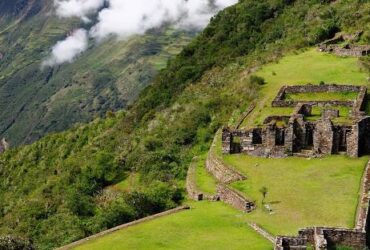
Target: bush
<point x="256" y="80"/>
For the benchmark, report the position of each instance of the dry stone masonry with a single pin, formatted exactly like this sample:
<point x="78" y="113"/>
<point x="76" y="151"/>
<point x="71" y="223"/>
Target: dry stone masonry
<point x="282" y="136"/>
<point x="323" y="238"/>
<point x="344" y="45"/>
<point x="192" y="189"/>
<point x="235" y="199"/>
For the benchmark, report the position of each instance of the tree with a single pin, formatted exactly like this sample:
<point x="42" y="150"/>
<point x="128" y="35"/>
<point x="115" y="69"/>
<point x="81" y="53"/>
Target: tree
<point x="264" y="192"/>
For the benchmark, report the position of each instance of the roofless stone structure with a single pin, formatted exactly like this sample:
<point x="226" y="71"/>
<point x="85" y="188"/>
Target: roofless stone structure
<point x="282" y="136"/>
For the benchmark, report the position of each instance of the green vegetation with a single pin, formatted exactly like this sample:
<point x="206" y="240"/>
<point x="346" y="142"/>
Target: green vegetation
<point x="207" y="225"/>
<point x="301" y="192"/>
<point x="108" y="77"/>
<point x="344" y="114"/>
<point x="329" y="96"/>
<point x="60" y="189"/>
<point x="204" y="180"/>
<point x="308" y="67"/>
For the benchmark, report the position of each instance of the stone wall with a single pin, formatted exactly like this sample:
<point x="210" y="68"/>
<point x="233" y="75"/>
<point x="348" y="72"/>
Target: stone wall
<point x="234" y="198"/>
<point x="285" y="243"/>
<point x="130" y="224"/>
<point x="329" y="238"/>
<point x="363" y="206"/>
<point x="360" y="103"/>
<point x="309" y="88"/>
<point x="221" y="171"/>
<point x="323" y="238"/>
<point x="346" y="50"/>
<point x="353" y="142"/>
<point x="191" y="187"/>
<point x="330" y="113"/>
<point x="323" y="137"/>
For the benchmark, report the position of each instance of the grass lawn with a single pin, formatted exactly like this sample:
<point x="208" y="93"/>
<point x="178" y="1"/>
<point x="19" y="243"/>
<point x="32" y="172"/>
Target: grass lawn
<point x="302" y="192"/>
<point x="204" y="180"/>
<point x="308" y="67"/>
<point x="208" y="225"/>
<point x="326" y="96"/>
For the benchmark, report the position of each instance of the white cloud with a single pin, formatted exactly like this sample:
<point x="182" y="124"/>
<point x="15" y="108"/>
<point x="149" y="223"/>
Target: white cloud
<point x="77" y="8"/>
<point x="65" y="51"/>
<point x="124" y="18"/>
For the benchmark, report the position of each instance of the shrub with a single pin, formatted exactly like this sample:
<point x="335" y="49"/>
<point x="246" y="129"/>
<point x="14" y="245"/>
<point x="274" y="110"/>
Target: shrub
<point x="257" y="80"/>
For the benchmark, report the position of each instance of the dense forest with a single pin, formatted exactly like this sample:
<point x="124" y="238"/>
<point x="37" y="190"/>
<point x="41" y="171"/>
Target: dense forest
<point x="66" y="186"/>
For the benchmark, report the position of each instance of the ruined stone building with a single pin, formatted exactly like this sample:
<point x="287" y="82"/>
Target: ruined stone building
<point x="281" y="136"/>
<point x="344" y="45"/>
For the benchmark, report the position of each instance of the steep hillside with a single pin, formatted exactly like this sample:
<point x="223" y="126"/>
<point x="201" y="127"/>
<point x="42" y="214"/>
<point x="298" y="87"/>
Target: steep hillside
<point x="109" y="76"/>
<point x="62" y="187"/>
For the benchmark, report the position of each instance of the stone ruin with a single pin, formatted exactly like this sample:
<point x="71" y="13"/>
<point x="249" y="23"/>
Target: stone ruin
<point x="323" y="238"/>
<point x="343" y="45"/>
<point x="282" y="136"/>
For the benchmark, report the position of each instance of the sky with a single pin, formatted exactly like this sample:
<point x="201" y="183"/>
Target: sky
<point x="124" y="18"/>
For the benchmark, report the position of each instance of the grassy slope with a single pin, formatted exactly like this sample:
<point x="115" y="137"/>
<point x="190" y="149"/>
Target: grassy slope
<point x="169" y="124"/>
<point x="302" y="192"/>
<point x="204" y="181"/>
<point x="308" y="67"/>
<point x="202" y="227"/>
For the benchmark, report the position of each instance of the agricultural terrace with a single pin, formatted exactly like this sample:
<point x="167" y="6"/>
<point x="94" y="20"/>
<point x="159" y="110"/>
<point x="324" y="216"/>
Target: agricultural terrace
<point x="308" y="67"/>
<point x="207" y="225"/>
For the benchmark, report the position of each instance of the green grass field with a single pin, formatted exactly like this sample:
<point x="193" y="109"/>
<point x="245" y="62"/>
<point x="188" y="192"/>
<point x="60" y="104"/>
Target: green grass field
<point x="208" y="225"/>
<point x="308" y="67"/>
<point x="302" y="192"/>
<point x="204" y="180"/>
<point x="326" y="96"/>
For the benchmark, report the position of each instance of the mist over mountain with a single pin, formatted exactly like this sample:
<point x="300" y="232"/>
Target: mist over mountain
<point x="96" y="77"/>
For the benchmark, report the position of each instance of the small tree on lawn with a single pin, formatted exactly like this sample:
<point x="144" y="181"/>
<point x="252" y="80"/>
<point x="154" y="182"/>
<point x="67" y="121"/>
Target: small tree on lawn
<point x="263" y="191"/>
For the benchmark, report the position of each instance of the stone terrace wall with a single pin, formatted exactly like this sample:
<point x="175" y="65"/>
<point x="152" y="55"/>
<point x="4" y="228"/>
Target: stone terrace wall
<point x="360" y="102"/>
<point x="333" y="237"/>
<point x="347" y="50"/>
<point x="309" y="88"/>
<point x="191" y="187"/>
<point x="345" y="237"/>
<point x="285" y="242"/>
<point x="221" y="171"/>
<point x="133" y="223"/>
<point x="234" y="198"/>
<point x="362" y="212"/>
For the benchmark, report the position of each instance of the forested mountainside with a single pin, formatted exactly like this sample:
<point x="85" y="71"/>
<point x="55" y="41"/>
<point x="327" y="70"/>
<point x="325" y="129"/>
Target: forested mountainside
<point x="133" y="163"/>
<point x="35" y="101"/>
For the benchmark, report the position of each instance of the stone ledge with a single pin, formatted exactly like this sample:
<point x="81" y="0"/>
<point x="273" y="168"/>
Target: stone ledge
<point x="221" y="171"/>
<point x="235" y="199"/>
<point x="133" y="223"/>
<point x="192" y="188"/>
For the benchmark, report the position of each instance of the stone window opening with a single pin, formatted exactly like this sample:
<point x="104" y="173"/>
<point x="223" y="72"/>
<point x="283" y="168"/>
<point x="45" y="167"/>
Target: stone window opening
<point x="309" y="138"/>
<point x="257" y="137"/>
<point x="280" y="137"/>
